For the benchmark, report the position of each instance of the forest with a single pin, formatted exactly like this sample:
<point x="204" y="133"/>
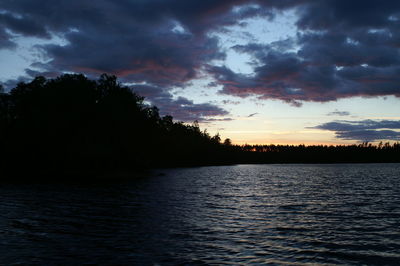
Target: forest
<point x="74" y="125"/>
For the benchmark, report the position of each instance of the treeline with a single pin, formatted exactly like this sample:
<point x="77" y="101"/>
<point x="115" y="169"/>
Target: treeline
<point x="71" y="124"/>
<point x="361" y="153"/>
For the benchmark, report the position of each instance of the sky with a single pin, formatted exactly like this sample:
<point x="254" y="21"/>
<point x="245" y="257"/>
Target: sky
<point x="257" y="72"/>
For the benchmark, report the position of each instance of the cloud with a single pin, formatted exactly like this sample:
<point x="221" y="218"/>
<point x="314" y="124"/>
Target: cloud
<point x="164" y="44"/>
<point x="185" y="110"/>
<point x="253" y="114"/>
<point x="324" y="69"/>
<point x="217" y="119"/>
<point x="5" y="40"/>
<point x="181" y="108"/>
<point x="230" y="102"/>
<point x="369" y="135"/>
<point x="12" y="83"/>
<point x="320" y="15"/>
<point x="342" y="48"/>
<point x="23" y="25"/>
<point x="137" y="40"/>
<point x="338" y="113"/>
<point x="365" y="130"/>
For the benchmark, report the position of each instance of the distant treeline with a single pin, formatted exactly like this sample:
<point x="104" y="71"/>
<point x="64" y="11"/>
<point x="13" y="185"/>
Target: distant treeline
<point x="72" y="124"/>
<point x="361" y="153"/>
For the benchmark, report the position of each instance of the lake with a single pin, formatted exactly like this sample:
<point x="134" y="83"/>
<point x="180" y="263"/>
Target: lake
<point x="241" y="214"/>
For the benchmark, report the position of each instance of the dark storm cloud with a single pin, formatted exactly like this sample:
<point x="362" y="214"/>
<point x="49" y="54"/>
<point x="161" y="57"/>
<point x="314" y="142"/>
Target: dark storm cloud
<point x="162" y="43"/>
<point x="135" y="38"/>
<point x="358" y="125"/>
<point x="365" y="130"/>
<point x="369" y="135"/>
<point x="181" y="109"/>
<point x="326" y="67"/>
<point x="343" y="48"/>
<point x="322" y="15"/>
<point x="34" y="73"/>
<point x="23" y="25"/>
<point x="18" y="25"/>
<point x="12" y="83"/>
<point x="5" y="40"/>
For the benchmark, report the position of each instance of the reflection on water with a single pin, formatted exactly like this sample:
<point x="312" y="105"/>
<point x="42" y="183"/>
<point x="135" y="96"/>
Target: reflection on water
<point x="210" y="215"/>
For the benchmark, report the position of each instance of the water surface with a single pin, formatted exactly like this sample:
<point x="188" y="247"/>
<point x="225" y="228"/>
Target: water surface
<point x="283" y="214"/>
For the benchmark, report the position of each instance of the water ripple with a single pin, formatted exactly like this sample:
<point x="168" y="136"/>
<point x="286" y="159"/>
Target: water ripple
<point x="233" y="215"/>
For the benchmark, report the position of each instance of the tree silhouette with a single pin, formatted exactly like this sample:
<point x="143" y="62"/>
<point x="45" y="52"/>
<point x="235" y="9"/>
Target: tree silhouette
<point x="71" y="125"/>
<point x="227" y="142"/>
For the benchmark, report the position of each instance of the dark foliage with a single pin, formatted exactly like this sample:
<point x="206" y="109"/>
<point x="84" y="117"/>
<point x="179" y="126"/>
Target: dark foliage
<point x="75" y="125"/>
